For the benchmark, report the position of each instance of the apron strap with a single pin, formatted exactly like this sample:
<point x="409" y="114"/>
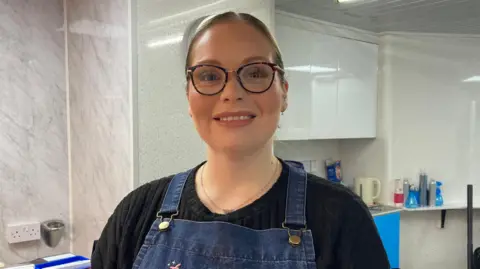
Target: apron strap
<point x="295" y="216"/>
<point x="295" y="202"/>
<point x="172" y="198"/>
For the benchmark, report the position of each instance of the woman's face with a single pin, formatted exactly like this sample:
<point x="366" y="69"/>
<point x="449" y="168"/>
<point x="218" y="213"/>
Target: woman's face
<point x="217" y="118"/>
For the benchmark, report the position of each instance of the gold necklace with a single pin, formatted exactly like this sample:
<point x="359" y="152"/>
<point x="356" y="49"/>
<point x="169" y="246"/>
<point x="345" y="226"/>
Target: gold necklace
<point x="226" y="211"/>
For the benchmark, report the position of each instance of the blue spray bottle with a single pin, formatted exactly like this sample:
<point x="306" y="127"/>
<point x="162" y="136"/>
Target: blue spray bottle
<point x="438" y="195"/>
<point x="412" y="201"/>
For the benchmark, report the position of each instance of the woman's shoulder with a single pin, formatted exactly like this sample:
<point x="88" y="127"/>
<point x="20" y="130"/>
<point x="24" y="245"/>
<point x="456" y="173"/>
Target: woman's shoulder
<point x="143" y="198"/>
<point x="321" y="185"/>
<point x="331" y="194"/>
<point x="149" y="190"/>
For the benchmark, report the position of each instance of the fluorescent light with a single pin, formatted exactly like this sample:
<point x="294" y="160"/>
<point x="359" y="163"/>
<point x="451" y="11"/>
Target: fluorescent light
<point x="165" y="41"/>
<point x="472" y="79"/>
<point x="311" y="69"/>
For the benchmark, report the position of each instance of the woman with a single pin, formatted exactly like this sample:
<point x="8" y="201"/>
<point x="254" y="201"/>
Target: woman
<point x="243" y="207"/>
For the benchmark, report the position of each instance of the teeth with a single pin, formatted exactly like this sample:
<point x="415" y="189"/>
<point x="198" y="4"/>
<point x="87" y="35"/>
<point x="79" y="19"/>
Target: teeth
<point x="231" y="118"/>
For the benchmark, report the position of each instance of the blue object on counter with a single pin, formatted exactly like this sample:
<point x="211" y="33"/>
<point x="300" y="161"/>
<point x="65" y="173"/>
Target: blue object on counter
<point x="438" y="195"/>
<point x="64" y="262"/>
<point x="416" y="193"/>
<point x="334" y="170"/>
<point x="412" y="201"/>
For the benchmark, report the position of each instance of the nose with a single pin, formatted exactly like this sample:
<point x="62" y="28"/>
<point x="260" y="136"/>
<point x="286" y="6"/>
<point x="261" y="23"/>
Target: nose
<point x="233" y="91"/>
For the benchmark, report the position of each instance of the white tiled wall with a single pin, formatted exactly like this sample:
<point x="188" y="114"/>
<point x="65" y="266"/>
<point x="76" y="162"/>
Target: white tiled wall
<point x="33" y="122"/>
<point x="100" y="117"/>
<point x="34" y="160"/>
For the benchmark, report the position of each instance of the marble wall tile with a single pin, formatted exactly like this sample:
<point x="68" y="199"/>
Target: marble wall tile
<point x="33" y="122"/>
<point x="98" y="62"/>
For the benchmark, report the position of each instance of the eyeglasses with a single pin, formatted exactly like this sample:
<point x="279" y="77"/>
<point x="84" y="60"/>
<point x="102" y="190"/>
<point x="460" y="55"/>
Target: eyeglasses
<point x="253" y="77"/>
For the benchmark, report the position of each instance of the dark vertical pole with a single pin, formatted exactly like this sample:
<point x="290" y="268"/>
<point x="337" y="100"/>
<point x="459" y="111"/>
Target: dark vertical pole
<point x="442" y="222"/>
<point x="469" y="226"/>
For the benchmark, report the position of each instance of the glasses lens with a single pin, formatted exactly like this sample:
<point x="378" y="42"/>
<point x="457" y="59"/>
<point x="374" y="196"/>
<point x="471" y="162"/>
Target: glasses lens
<point x="256" y="77"/>
<point x="208" y="79"/>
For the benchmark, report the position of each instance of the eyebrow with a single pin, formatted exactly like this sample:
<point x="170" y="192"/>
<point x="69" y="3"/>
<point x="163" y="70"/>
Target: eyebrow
<point x="255" y="58"/>
<point x="245" y="61"/>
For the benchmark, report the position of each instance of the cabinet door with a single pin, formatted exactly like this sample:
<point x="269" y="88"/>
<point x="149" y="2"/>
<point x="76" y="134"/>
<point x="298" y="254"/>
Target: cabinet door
<point x="388" y="227"/>
<point x="324" y="71"/>
<point x="296" y="45"/>
<point x="357" y="89"/>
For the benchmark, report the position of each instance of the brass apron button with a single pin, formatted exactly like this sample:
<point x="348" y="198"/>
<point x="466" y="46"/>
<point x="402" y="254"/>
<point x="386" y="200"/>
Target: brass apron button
<point x="163" y="226"/>
<point x="294" y="240"/>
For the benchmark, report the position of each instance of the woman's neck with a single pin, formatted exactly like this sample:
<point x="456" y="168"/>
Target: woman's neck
<point x="231" y="180"/>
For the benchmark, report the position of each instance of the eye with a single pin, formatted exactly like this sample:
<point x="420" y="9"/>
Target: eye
<point x="257" y="72"/>
<point x="208" y="74"/>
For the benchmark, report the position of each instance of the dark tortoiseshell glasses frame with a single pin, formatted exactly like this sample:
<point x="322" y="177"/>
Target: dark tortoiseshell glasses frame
<point x="274" y="68"/>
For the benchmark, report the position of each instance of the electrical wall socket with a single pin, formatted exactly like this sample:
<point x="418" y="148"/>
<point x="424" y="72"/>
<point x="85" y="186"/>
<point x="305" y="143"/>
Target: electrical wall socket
<point x="22" y="232"/>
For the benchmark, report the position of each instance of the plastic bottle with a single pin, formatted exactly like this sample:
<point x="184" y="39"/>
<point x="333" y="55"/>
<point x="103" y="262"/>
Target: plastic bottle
<point x="423" y="187"/>
<point x="439" y="196"/>
<point x="406" y="190"/>
<point x="412" y="199"/>
<point x="432" y="193"/>
<point x="398" y="194"/>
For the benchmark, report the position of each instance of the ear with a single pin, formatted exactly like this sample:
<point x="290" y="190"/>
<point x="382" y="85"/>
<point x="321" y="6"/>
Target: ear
<point x="188" y="100"/>
<point x="285" y="96"/>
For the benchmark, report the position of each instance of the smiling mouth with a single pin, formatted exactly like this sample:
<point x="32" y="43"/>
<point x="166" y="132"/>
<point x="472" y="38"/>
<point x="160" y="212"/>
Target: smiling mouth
<point x="234" y="118"/>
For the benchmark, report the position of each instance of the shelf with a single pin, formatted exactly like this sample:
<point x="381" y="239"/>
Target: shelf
<point x="450" y="206"/>
<point x="434" y="208"/>
<point x="443" y="209"/>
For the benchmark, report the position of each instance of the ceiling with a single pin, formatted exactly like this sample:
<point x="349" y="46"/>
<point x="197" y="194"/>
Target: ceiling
<point x="425" y="16"/>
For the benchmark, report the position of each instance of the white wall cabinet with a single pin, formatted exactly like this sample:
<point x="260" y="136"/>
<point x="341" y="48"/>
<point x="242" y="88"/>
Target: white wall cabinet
<point x="357" y="89"/>
<point x="333" y="86"/>
<point x="296" y="54"/>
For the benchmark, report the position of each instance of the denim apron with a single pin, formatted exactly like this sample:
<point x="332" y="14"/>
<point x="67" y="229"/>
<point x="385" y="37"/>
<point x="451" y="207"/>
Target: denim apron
<point x="182" y="244"/>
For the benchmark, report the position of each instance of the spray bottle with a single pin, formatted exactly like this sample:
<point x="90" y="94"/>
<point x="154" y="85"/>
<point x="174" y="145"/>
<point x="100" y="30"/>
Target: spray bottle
<point x="438" y="195"/>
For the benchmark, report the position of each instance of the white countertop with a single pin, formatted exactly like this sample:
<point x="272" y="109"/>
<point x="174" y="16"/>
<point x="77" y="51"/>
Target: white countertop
<point x="383" y="210"/>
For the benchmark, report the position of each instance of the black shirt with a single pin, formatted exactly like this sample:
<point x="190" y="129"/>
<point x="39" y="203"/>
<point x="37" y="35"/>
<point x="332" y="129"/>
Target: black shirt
<point x="343" y="230"/>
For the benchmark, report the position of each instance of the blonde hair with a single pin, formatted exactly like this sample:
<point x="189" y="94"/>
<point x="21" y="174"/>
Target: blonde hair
<point x="200" y="26"/>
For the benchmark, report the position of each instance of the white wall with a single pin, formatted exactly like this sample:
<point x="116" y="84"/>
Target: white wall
<point x="33" y="122"/>
<point x="427" y="114"/>
<point x="432" y="127"/>
<point x="315" y="152"/>
<point x="426" y="121"/>
<point x="428" y="118"/>
<point x="167" y="140"/>
<point x="100" y="114"/>
<point x="432" y="109"/>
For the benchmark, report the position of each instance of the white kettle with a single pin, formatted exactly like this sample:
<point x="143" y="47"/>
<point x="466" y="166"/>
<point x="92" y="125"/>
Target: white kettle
<point x="368" y="189"/>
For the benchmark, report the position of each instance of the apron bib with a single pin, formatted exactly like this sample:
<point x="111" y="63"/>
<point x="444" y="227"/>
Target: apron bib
<point x="182" y="244"/>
